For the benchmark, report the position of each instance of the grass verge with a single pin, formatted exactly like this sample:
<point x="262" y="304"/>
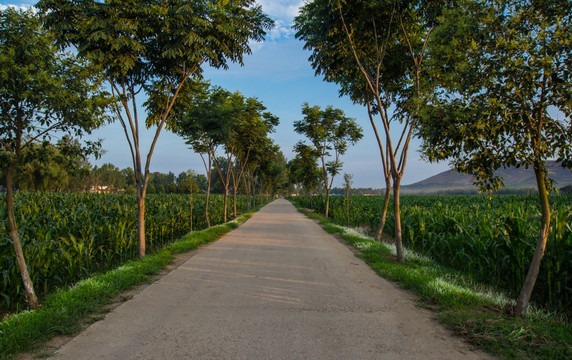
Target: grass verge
<point x="63" y="311"/>
<point x="471" y="310"/>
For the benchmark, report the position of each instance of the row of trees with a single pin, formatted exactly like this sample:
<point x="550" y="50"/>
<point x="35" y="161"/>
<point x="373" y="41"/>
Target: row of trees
<point x="239" y="147"/>
<point x="119" y="51"/>
<point x="484" y="83"/>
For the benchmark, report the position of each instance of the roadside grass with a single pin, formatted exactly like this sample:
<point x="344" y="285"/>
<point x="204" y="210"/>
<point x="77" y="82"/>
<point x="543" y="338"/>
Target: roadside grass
<point x="476" y="312"/>
<point x="63" y="311"/>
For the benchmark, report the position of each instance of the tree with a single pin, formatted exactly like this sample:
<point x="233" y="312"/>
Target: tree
<point x="375" y="52"/>
<point x="251" y="132"/>
<point x="154" y="47"/>
<point x="347" y="187"/>
<point x="200" y="120"/>
<point x="48" y="167"/>
<point x="328" y="130"/>
<point x="109" y="177"/>
<point x="271" y="170"/>
<point x="42" y="92"/>
<point x="190" y="119"/>
<point x="228" y="112"/>
<point x="502" y="70"/>
<point x="304" y="167"/>
<point x="259" y="158"/>
<point x="273" y="173"/>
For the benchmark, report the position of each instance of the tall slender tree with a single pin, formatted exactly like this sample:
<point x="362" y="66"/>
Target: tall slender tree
<point x="375" y="52"/>
<point x="154" y="47"/>
<point x="502" y="71"/>
<point x="304" y="169"/>
<point x="42" y="93"/>
<point x="328" y="130"/>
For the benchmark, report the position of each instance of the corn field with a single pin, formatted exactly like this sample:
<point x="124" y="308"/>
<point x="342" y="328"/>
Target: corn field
<point x="491" y="238"/>
<point x="68" y="237"/>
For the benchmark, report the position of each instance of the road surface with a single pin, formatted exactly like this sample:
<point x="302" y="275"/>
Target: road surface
<point x="278" y="287"/>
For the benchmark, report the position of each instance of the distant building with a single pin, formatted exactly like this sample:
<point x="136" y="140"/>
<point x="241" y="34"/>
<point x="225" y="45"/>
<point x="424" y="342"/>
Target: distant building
<point x="99" y="189"/>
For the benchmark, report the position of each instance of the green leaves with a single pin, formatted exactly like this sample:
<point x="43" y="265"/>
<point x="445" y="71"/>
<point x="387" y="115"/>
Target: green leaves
<point x="500" y="70"/>
<point x="42" y="90"/>
<point x="143" y="39"/>
<point x="328" y="130"/>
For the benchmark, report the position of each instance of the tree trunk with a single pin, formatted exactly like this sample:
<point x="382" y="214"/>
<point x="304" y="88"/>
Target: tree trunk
<point x="191" y="200"/>
<point x="207" y="201"/>
<point x="247" y="185"/>
<point x="225" y="203"/>
<point x="533" y="270"/>
<point x="253" y="191"/>
<point x="208" y="168"/>
<point x="327" y="202"/>
<point x="234" y="203"/>
<point x="379" y="231"/>
<point x="141" y="221"/>
<point x="347" y="207"/>
<point x="29" y="292"/>
<point x="397" y="216"/>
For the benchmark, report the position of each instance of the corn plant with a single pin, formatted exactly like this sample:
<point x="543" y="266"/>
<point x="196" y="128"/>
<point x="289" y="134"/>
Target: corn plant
<point x="68" y="237"/>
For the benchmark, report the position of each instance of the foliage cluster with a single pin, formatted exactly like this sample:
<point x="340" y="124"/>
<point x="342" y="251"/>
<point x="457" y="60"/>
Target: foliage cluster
<point x="68" y="237"/>
<point x="491" y="238"/>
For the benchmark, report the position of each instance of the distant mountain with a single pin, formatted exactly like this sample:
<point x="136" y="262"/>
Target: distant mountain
<point x="514" y="179"/>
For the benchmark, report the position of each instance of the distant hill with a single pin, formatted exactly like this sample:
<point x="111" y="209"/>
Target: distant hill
<point x="514" y="179"/>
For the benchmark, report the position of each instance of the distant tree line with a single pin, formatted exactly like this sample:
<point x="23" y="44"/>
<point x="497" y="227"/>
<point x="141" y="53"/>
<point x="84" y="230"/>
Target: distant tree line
<point x="52" y="171"/>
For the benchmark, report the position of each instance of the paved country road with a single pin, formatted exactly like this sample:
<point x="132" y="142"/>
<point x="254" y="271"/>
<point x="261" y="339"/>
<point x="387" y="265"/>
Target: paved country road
<point x="278" y="287"/>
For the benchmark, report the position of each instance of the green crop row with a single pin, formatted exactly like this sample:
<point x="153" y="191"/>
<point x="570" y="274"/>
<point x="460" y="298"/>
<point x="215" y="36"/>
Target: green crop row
<point x="68" y="237"/>
<point x="491" y="238"/>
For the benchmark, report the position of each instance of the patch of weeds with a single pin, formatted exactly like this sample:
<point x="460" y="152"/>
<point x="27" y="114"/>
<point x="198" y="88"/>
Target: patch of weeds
<point x="95" y="319"/>
<point x="331" y="228"/>
<point x="43" y="354"/>
<point x="124" y="298"/>
<point x="315" y="216"/>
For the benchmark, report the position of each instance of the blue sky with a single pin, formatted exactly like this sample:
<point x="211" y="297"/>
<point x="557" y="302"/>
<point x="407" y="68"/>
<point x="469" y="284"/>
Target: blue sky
<point x="279" y="74"/>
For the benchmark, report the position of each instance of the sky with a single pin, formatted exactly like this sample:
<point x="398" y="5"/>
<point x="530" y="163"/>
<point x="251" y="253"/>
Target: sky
<point x="279" y="74"/>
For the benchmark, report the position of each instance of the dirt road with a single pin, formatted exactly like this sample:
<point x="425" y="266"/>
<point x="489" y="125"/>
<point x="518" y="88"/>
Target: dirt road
<point x="278" y="287"/>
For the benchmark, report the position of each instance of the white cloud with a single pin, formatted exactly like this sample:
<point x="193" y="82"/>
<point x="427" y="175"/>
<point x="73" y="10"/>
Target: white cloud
<point x="281" y="9"/>
<point x="283" y="13"/>
<point x="280" y="31"/>
<point x="17" y="7"/>
<point x="255" y="45"/>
